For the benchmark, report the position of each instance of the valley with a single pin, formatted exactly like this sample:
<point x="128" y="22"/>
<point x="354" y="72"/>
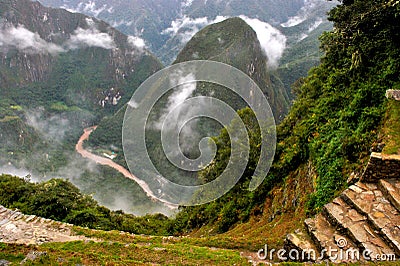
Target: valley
<point x="329" y="70"/>
<point x="86" y="82"/>
<point x="109" y="162"/>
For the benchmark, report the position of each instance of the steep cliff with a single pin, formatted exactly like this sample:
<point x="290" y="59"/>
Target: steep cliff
<point x="57" y="48"/>
<point x="59" y="72"/>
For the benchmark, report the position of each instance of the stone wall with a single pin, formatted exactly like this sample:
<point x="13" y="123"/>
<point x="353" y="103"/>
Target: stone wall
<point x="18" y="228"/>
<point x="393" y="94"/>
<point x="382" y="167"/>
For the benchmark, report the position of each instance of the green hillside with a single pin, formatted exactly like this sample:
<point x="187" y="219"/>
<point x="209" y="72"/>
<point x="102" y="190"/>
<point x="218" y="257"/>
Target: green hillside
<point x="330" y="129"/>
<point x="232" y="42"/>
<point x="235" y="43"/>
<point x="60" y="72"/>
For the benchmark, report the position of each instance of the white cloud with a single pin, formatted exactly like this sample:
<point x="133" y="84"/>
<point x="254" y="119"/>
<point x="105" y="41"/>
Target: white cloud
<point x="185" y="28"/>
<point x="293" y="21"/>
<point x="10" y="169"/>
<point x="26" y="41"/>
<point x="310" y="29"/>
<point x="302" y="37"/>
<point x="90" y="37"/>
<point x="137" y="42"/>
<point x="184" y="92"/>
<point x="302" y="15"/>
<point x="317" y="23"/>
<point x="178" y="116"/>
<point x="272" y="41"/>
<point x="53" y="128"/>
<point x="181" y="94"/>
<point x="90" y="22"/>
<point x="88" y="8"/>
<point x="190" y="27"/>
<point x="118" y="23"/>
<point x="187" y="3"/>
<point x="30" y="42"/>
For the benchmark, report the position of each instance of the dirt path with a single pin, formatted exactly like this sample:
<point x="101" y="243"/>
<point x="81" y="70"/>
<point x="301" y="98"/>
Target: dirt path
<point x="108" y="162"/>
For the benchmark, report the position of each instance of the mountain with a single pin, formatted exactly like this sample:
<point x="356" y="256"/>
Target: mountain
<point x="42" y="45"/>
<point x="146" y="19"/>
<point x="166" y="25"/>
<point x="60" y="72"/>
<point x="150" y="18"/>
<point x="340" y="115"/>
<point x="324" y="143"/>
<point x="232" y="42"/>
<point x="235" y="43"/>
<point x="63" y="71"/>
<point x="288" y="30"/>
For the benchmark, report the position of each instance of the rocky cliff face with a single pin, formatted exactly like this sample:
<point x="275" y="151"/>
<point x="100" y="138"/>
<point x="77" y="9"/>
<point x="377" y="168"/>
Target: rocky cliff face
<point x="33" y="39"/>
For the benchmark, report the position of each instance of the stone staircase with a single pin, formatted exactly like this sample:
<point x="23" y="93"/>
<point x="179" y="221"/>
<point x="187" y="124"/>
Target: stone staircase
<point x="19" y="228"/>
<point x="362" y="224"/>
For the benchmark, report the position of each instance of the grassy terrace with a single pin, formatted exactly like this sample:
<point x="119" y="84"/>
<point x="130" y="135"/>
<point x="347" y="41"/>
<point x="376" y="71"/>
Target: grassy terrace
<point x="118" y="248"/>
<point x="128" y="250"/>
<point x="391" y="128"/>
<point x="150" y="252"/>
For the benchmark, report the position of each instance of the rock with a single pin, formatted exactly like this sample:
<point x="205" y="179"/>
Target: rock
<point x="159" y="249"/>
<point x="379" y="215"/>
<point x="353" y="178"/>
<point x="4" y="263"/>
<point x="33" y="255"/>
<point x="393" y="94"/>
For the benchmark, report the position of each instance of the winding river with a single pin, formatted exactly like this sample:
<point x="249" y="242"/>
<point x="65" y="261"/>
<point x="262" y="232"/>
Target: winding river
<point x="108" y="162"/>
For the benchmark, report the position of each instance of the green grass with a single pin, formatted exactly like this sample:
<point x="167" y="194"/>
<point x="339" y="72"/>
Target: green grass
<point x="10" y="253"/>
<point x="8" y="119"/>
<point x="391" y="128"/>
<point x="134" y="250"/>
<point x="119" y="248"/>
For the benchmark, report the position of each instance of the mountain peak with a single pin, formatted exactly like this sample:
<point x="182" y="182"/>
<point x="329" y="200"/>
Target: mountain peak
<point x="231" y="41"/>
<point x="234" y="42"/>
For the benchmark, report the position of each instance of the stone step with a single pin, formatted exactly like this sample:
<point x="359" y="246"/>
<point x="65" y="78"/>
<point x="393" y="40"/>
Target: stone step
<point x="380" y="213"/>
<point x="2" y="209"/>
<point x="15" y="215"/>
<point x="391" y="190"/>
<point x="6" y="213"/>
<point x="40" y="220"/>
<point x="350" y="222"/>
<point x="19" y="217"/>
<point x="3" y="221"/>
<point x="9" y="214"/>
<point x="328" y="240"/>
<point x="301" y="242"/>
<point x="30" y="218"/>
